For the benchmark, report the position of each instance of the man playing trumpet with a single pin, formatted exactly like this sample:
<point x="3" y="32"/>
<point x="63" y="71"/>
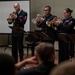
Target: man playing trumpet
<point x="19" y="18"/>
<point x="42" y="23"/>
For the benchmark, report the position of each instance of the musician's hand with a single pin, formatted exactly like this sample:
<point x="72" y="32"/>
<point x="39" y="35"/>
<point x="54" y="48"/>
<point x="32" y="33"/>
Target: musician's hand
<point x="41" y="19"/>
<point x="13" y="16"/>
<point x="57" y="22"/>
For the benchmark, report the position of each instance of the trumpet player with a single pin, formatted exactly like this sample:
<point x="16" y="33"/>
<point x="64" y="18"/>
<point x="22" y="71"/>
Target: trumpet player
<point x="44" y="28"/>
<point x="19" y="18"/>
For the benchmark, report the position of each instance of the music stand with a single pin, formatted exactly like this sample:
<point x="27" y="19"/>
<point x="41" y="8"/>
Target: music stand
<point x="62" y="36"/>
<point x="34" y="35"/>
<point x="17" y="29"/>
<point x="71" y="37"/>
<point x="33" y="39"/>
<point x="43" y="36"/>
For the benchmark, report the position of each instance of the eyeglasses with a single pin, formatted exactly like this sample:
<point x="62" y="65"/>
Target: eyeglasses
<point x="46" y="10"/>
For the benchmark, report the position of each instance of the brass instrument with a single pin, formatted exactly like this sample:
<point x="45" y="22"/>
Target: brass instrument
<point x="10" y="18"/>
<point x="35" y="20"/>
<point x="50" y="23"/>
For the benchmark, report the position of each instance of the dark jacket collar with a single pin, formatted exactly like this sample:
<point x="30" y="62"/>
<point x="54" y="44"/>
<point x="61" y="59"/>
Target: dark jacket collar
<point x="49" y="15"/>
<point x="68" y="18"/>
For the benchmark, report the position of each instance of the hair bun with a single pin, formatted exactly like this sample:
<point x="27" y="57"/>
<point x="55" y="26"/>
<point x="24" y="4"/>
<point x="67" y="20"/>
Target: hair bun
<point x="69" y="10"/>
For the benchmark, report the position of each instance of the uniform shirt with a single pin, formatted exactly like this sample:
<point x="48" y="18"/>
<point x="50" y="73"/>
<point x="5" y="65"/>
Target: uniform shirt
<point x="67" y="25"/>
<point x="19" y="22"/>
<point x="47" y="30"/>
<point x="21" y="19"/>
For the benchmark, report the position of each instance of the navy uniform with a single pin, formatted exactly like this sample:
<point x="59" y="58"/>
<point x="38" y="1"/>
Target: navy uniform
<point x="48" y="30"/>
<point x="66" y="49"/>
<point x="17" y="37"/>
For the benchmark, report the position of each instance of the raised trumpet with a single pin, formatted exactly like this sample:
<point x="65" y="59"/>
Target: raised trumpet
<point x="35" y="20"/>
<point x="10" y="19"/>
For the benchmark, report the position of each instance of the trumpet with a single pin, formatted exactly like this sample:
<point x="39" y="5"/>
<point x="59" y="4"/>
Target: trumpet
<point x="35" y="20"/>
<point x="10" y="18"/>
<point x="50" y="23"/>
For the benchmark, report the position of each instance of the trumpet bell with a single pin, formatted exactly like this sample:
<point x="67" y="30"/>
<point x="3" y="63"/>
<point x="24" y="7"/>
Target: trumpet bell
<point x="50" y="23"/>
<point x="34" y="21"/>
<point x="9" y="20"/>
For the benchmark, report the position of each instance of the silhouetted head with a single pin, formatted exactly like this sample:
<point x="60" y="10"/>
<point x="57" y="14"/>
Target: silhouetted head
<point x="7" y="65"/>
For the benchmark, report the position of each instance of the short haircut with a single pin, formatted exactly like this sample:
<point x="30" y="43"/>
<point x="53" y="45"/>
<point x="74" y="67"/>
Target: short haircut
<point x="7" y="64"/>
<point x="48" y="7"/>
<point x="45" y="51"/>
<point x="65" y="68"/>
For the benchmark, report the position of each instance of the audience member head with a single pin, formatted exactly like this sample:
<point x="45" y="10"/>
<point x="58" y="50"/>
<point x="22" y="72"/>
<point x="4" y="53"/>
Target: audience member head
<point x="47" y="10"/>
<point x="65" y="68"/>
<point x="7" y="65"/>
<point x="67" y="12"/>
<point x="45" y="52"/>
